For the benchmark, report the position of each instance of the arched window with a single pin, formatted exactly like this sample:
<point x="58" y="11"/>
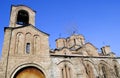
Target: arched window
<point x="74" y="41"/>
<point x="104" y="71"/>
<point x="89" y="71"/>
<point x="19" y="48"/>
<point x="22" y="17"/>
<point x="116" y="71"/>
<point x="28" y="43"/>
<point x="28" y="48"/>
<point x="66" y="72"/>
<point x="36" y="44"/>
<point x="64" y="43"/>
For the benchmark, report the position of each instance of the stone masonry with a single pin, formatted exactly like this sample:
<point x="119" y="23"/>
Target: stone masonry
<point x="26" y="53"/>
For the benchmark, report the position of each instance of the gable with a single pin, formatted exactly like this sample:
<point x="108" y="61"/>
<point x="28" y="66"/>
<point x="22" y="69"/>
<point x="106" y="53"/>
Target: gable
<point x="90" y="49"/>
<point x="25" y="29"/>
<point x="89" y="45"/>
<point x="29" y="40"/>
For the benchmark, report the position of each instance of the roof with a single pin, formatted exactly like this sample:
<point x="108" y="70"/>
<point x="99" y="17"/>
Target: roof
<point x="25" y="26"/>
<point x="23" y="6"/>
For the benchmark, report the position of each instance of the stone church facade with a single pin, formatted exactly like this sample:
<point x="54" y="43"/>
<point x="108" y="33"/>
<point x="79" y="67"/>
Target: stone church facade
<point x="26" y="53"/>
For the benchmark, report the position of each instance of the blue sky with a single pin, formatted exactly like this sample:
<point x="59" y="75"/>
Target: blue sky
<point x="97" y="20"/>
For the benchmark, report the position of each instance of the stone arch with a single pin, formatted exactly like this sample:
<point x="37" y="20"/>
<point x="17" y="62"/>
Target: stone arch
<point x="65" y="61"/>
<point x="29" y="70"/>
<point x="104" y="69"/>
<point x="116" y="68"/>
<point x="19" y="48"/>
<point x="28" y="43"/>
<point x="36" y="44"/>
<point x="22" y="17"/>
<point x="66" y="69"/>
<point x="14" y="13"/>
<point x="90" y="69"/>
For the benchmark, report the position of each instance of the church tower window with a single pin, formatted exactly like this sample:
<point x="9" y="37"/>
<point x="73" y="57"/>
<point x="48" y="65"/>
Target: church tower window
<point x="28" y="48"/>
<point x="74" y="41"/>
<point x="23" y="17"/>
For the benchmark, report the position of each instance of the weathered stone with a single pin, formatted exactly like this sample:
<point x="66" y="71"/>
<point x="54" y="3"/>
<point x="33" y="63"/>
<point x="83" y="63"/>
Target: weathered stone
<point x="26" y="53"/>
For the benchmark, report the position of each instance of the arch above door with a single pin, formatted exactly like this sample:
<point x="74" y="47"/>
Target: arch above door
<point x="29" y="72"/>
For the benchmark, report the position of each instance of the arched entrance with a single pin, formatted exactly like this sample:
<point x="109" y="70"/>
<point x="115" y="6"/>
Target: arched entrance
<point x="29" y="72"/>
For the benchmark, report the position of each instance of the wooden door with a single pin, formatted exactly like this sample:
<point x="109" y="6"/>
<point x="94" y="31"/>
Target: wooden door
<point x="29" y="73"/>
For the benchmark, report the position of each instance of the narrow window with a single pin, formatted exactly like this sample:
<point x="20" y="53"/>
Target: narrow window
<point x="64" y="43"/>
<point x="69" y="72"/>
<point x="22" y="17"/>
<point x="116" y="70"/>
<point x="89" y="71"/>
<point x="28" y="48"/>
<point x="62" y="73"/>
<point x="81" y="41"/>
<point x="75" y="41"/>
<point x="66" y="72"/>
<point x="104" y="72"/>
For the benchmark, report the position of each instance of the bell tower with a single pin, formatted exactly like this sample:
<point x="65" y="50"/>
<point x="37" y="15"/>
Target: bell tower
<point x="24" y="44"/>
<point x="22" y="37"/>
<point x="21" y="16"/>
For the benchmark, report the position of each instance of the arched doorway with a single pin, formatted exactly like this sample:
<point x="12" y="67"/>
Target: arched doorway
<point x="29" y="72"/>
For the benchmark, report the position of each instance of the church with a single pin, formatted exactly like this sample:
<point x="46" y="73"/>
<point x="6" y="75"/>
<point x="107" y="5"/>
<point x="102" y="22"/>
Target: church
<point x="26" y="52"/>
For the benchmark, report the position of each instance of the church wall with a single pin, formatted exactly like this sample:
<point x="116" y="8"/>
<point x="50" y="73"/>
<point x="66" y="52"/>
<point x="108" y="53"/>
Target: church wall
<point x="26" y="46"/>
<point x="118" y="61"/>
<point x="40" y="57"/>
<point x="3" y="61"/>
<point x="42" y="45"/>
<point x="78" y="64"/>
